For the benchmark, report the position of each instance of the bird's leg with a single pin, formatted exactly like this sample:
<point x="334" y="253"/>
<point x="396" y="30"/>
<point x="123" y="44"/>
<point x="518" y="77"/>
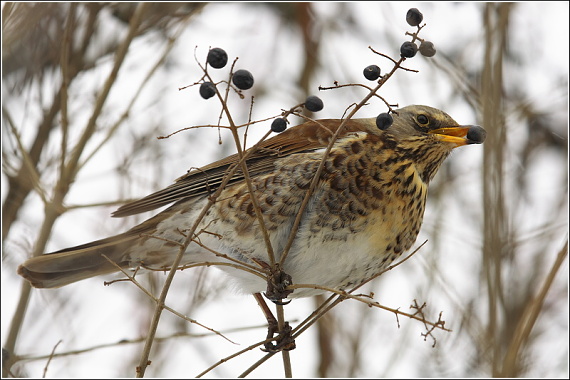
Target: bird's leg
<point x="284" y="340"/>
<point x="277" y="283"/>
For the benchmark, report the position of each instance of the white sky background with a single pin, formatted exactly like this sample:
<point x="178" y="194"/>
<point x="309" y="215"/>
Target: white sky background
<point x="97" y="315"/>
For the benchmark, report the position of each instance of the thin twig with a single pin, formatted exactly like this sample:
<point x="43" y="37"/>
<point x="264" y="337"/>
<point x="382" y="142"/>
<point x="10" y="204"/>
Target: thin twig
<point x="284" y="353"/>
<point x="152" y="297"/>
<point x="247" y="178"/>
<point x="50" y="357"/>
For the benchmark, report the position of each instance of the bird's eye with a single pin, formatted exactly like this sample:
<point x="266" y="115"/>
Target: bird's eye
<point x="423" y="119"/>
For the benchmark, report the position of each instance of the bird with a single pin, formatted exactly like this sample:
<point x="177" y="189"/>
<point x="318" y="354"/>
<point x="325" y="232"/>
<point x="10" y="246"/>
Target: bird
<point x="363" y="212"/>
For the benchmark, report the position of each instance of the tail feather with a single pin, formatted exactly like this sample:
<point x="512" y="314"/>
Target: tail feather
<point x="64" y="267"/>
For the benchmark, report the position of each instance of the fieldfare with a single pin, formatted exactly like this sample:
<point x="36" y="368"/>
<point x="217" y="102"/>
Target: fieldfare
<point x="364" y="212"/>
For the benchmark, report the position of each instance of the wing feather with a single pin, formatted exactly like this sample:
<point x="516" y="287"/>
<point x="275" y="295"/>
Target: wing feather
<point x="305" y="137"/>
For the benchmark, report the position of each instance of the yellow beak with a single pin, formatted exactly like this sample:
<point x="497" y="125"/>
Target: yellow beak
<point x="461" y="135"/>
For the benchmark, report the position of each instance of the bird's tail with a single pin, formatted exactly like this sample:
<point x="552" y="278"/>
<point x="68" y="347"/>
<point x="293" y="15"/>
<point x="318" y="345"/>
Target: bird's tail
<point x="69" y="265"/>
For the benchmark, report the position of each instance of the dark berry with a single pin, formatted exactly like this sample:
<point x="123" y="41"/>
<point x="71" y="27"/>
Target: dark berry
<point x="243" y="79"/>
<point x="427" y="49"/>
<point x="476" y="134"/>
<point x="279" y="125"/>
<point x="408" y="49"/>
<point x="207" y="90"/>
<point x="217" y="58"/>
<point x="414" y="17"/>
<point x="372" y="72"/>
<point x="384" y="121"/>
<point x="314" y="103"/>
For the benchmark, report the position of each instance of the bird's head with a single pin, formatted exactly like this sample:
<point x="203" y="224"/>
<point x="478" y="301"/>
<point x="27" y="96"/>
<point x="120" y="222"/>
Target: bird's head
<point x="426" y="135"/>
<point x="432" y="126"/>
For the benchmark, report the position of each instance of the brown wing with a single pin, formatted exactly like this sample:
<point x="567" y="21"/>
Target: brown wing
<point x="302" y="138"/>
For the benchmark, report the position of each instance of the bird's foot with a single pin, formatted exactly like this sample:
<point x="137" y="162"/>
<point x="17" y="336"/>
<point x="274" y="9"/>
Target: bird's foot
<point x="283" y="341"/>
<point x="277" y="283"/>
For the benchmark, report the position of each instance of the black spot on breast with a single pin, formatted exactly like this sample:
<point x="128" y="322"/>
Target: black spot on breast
<point x="409" y="180"/>
<point x="389" y="143"/>
<point x="361" y="182"/>
<point x="400" y="169"/>
<point x="250" y="210"/>
<point x="355" y="208"/>
<point x="338" y="183"/>
<point x="338" y="160"/>
<point x="356" y="147"/>
<point x="361" y="165"/>
<point x="302" y="183"/>
<point x="376" y="192"/>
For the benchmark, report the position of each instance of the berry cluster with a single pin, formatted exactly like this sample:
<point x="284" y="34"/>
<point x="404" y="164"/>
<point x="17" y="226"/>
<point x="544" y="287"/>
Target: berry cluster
<point x="243" y="80"/>
<point x="408" y="50"/>
<point x="312" y="103"/>
<point x="218" y="58"/>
